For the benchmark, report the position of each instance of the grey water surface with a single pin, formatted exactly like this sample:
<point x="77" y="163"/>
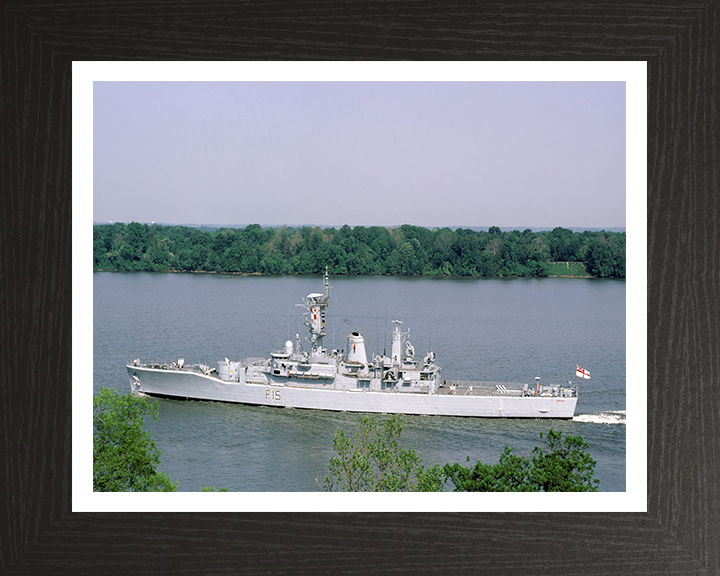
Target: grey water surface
<point x="502" y="330"/>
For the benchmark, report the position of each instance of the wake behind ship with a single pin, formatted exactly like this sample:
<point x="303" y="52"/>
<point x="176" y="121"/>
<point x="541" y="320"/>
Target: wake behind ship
<point x="344" y="380"/>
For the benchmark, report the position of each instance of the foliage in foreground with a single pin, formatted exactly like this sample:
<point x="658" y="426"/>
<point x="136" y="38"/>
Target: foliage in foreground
<point x="125" y="458"/>
<point x="563" y="465"/>
<point x="373" y="461"/>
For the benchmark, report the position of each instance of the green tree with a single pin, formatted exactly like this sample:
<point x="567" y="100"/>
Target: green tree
<point x="136" y="236"/>
<point x="563" y="465"/>
<point x="100" y="255"/>
<point x="510" y="474"/>
<point x="158" y="254"/>
<point x="408" y="258"/>
<point x="125" y="458"/>
<point x="600" y="260"/>
<point x="618" y="252"/>
<point x="273" y="263"/>
<point x="563" y="244"/>
<point x="374" y="461"/>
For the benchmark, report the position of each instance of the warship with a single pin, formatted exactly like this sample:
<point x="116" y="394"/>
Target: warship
<point x="345" y="380"/>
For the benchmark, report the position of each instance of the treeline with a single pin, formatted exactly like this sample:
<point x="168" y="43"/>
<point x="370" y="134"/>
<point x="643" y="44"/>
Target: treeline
<point x="374" y="250"/>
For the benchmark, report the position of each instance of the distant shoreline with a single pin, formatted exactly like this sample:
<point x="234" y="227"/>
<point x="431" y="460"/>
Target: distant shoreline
<point x="375" y="251"/>
<point x="242" y="274"/>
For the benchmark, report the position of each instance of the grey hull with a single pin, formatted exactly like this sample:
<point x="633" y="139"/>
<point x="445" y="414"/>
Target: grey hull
<point x="188" y="384"/>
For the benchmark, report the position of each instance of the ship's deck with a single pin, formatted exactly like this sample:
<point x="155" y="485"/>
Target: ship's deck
<point x="479" y="388"/>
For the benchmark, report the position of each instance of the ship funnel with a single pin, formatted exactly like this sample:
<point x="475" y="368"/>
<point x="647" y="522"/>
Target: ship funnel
<point x="356" y="348"/>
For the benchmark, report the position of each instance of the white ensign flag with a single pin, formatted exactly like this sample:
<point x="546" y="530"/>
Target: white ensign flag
<point x="581" y="372"/>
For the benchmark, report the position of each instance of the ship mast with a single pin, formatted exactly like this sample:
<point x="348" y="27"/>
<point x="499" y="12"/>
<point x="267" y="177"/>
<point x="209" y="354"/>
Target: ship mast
<point x="315" y="304"/>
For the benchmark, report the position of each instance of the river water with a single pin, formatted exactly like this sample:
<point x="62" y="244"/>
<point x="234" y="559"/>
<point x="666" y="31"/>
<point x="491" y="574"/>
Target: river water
<point x="502" y="330"/>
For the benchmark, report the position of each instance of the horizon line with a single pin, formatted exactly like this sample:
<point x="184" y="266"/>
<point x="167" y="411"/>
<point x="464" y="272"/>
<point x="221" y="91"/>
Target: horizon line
<point x="337" y="226"/>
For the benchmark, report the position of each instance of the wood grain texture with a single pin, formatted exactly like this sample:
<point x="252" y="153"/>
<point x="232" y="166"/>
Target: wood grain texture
<point x="681" y="531"/>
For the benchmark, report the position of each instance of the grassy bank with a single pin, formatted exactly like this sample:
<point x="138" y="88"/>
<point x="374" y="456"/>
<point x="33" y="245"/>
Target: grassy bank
<point x="568" y="270"/>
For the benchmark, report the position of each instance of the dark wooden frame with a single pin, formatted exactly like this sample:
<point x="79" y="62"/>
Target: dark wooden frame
<point x="679" y="533"/>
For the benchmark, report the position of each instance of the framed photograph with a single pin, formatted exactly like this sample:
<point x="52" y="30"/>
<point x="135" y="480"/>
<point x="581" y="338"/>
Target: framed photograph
<point x="665" y="523"/>
<point x="383" y="153"/>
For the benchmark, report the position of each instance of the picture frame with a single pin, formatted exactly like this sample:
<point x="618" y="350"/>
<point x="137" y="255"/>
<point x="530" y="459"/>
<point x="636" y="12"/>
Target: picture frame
<point x="40" y="534"/>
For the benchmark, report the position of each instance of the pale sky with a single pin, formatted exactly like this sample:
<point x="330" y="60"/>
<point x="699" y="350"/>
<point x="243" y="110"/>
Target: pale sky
<point x="509" y="154"/>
